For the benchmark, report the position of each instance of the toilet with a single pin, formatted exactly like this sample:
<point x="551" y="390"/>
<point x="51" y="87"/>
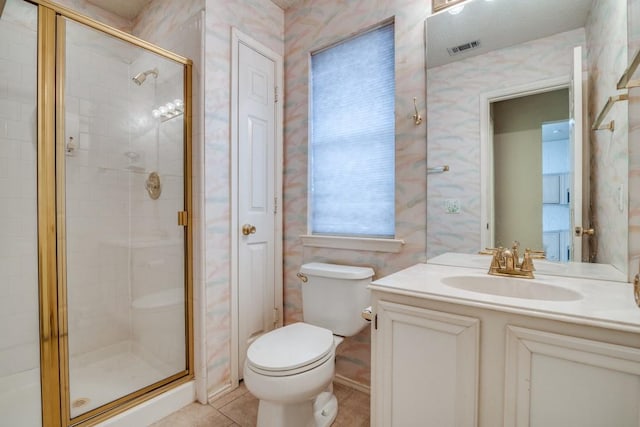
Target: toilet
<point x="290" y="369"/>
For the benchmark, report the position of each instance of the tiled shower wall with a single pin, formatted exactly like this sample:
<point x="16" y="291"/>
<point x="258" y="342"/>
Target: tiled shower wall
<point x="97" y="102"/>
<point x="312" y="25"/>
<point x="19" y="349"/>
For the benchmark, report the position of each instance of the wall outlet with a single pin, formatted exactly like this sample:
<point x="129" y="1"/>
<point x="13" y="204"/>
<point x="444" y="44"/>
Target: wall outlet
<point x="452" y="206"/>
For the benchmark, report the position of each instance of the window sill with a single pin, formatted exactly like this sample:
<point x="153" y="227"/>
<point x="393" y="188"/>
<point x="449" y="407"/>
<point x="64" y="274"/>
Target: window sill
<point x="354" y="243"/>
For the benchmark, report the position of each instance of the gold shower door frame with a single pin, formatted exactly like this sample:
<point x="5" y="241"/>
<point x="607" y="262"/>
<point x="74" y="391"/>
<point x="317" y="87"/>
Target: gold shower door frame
<point x="54" y="355"/>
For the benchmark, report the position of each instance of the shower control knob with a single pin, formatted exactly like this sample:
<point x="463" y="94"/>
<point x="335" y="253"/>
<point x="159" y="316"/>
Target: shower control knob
<point x="248" y="229"/>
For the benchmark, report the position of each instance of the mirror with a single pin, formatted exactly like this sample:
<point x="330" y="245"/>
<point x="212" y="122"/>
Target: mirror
<point x="485" y="58"/>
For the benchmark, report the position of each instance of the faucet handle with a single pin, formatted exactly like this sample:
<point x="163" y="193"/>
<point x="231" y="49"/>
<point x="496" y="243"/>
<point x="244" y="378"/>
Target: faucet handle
<point x="487" y="251"/>
<point x="527" y="263"/>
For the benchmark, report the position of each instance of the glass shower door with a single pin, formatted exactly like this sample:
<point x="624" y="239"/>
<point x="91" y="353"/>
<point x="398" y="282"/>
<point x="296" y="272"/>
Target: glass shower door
<point x="123" y="148"/>
<point x="19" y="310"/>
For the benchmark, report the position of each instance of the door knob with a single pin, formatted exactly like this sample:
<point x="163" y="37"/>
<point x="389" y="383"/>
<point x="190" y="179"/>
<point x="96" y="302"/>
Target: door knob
<point x="248" y="229"/>
<point x="580" y="232"/>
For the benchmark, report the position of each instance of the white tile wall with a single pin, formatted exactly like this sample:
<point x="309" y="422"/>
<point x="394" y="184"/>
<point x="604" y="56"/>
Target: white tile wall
<point x="19" y="349"/>
<point x="121" y="245"/>
<point x="97" y="190"/>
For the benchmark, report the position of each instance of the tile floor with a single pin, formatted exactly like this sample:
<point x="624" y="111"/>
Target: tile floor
<point x="240" y="408"/>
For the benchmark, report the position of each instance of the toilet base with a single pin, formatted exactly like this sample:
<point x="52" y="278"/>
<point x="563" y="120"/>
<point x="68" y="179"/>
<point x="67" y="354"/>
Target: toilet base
<point x="325" y="409"/>
<point x="319" y="413"/>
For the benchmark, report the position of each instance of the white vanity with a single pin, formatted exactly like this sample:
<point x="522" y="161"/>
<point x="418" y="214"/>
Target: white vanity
<point x="453" y="346"/>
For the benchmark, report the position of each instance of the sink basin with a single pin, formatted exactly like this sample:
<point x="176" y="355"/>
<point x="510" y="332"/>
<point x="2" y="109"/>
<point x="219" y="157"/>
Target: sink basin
<point x="511" y="287"/>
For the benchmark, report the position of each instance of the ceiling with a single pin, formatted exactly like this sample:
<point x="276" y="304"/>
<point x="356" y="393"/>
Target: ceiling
<point x="499" y="23"/>
<point x="131" y="8"/>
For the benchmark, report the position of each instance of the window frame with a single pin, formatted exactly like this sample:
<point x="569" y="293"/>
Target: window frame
<point x="354" y="242"/>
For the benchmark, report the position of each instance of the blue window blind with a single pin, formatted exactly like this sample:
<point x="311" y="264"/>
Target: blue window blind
<point x="352" y="153"/>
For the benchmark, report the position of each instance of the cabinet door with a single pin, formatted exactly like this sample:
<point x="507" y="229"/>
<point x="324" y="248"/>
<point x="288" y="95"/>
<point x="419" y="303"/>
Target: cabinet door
<point x="556" y="380"/>
<point x="425" y="366"/>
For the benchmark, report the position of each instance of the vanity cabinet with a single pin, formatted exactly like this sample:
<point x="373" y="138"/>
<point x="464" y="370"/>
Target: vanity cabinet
<point x="558" y="380"/>
<point x="442" y="364"/>
<point x="426" y="367"/>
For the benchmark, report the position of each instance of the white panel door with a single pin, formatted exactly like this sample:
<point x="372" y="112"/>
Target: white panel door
<point x="256" y="196"/>
<point x="425" y="368"/>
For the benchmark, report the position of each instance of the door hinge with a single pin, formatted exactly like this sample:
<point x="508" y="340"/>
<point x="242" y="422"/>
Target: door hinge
<point x="375" y="322"/>
<point x="275" y="90"/>
<point x="276" y="316"/>
<point x="183" y="218"/>
<point x="275" y="205"/>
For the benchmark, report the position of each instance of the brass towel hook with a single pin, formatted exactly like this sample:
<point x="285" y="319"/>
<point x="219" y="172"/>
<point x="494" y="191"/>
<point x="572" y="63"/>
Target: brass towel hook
<point x="417" y="118"/>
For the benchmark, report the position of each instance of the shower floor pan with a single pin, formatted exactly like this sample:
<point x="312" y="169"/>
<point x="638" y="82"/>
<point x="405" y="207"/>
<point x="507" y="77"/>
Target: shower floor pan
<point x="20" y="399"/>
<point x="105" y="375"/>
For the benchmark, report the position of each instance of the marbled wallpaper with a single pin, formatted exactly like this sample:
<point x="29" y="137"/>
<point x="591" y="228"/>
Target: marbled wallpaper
<point x="311" y="25"/>
<point x="453" y="121"/>
<point x="263" y="21"/>
<point x="606" y="33"/>
<point x="160" y="20"/>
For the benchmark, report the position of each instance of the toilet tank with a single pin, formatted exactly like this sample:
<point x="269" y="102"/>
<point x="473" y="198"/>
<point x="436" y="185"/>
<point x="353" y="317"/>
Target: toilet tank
<point x="333" y="296"/>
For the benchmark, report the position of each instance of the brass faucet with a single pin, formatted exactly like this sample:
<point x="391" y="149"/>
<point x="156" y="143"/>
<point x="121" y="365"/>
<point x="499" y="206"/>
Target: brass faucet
<point x="506" y="262"/>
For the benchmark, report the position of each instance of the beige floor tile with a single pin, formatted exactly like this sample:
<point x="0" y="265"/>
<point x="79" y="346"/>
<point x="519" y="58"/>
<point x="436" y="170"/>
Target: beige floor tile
<point x="342" y="391"/>
<point x="195" y="415"/>
<point x="242" y="410"/>
<point x="229" y="397"/>
<point x="353" y="411"/>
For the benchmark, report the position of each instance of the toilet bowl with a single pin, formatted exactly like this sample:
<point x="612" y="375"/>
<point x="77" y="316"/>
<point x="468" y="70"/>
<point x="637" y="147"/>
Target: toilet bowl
<point x="290" y="369"/>
<point x="287" y="370"/>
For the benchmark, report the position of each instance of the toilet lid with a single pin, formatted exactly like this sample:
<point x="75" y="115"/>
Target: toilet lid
<point x="290" y="347"/>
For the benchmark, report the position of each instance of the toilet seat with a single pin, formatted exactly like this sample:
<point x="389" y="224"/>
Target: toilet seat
<point x="291" y="350"/>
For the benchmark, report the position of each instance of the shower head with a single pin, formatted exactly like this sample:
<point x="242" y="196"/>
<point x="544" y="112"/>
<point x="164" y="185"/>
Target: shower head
<point x="141" y="77"/>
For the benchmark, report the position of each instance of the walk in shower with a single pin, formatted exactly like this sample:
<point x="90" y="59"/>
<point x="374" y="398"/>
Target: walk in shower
<point x="95" y="240"/>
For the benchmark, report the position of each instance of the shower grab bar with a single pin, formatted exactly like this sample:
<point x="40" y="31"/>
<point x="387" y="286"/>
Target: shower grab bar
<point x="612" y="100"/>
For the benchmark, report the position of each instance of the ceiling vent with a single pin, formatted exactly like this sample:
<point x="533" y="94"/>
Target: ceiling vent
<point x="463" y="47"/>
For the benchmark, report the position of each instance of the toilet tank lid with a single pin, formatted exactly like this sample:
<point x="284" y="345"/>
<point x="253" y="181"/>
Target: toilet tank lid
<point x="336" y="271"/>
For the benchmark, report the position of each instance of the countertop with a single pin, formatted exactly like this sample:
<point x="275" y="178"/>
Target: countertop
<point x="604" y="303"/>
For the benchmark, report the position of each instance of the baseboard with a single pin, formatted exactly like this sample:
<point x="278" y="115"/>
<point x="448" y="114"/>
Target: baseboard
<point x="351" y="383"/>
<point x="155" y="409"/>
<point x="223" y="390"/>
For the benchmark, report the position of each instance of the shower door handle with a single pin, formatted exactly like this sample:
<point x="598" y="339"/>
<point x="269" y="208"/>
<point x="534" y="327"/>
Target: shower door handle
<point x="248" y="229"/>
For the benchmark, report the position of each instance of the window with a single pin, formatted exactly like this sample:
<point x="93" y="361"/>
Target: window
<point x="352" y="151"/>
